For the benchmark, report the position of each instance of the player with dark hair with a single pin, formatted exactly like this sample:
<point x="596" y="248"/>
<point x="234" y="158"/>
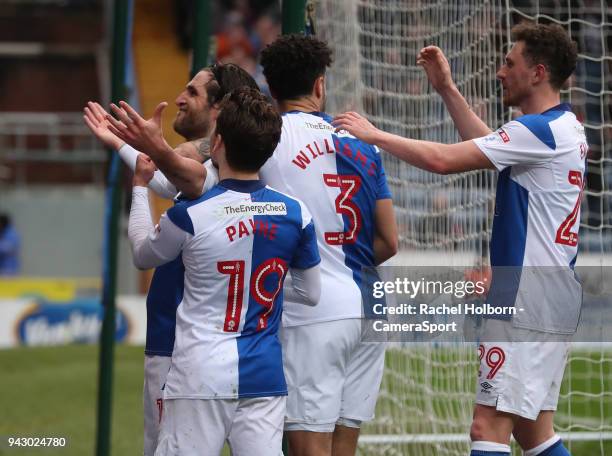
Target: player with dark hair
<point x="550" y="46"/>
<point x="198" y="106"/>
<point x="237" y="243"/>
<point x="540" y="157"/>
<point x="333" y="377"/>
<point x="305" y="69"/>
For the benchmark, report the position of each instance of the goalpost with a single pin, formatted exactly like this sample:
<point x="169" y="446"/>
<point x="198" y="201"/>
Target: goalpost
<point x="426" y="400"/>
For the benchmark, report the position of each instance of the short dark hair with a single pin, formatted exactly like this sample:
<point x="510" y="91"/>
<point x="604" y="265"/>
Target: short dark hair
<point x="226" y="77"/>
<point x="292" y="63"/>
<point x="549" y="45"/>
<point x="250" y="128"/>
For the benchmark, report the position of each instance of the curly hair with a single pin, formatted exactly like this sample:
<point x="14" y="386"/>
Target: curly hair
<point x="250" y="128"/>
<point x="225" y="78"/>
<point x="549" y="45"/>
<point x="292" y="63"/>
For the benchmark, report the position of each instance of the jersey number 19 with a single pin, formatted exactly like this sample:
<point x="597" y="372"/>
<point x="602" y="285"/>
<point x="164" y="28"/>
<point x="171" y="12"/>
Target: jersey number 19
<point x="235" y="294"/>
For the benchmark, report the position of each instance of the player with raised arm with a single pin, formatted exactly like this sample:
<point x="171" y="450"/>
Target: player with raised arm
<point x="540" y="157"/>
<point x="237" y="241"/>
<point x="197" y="111"/>
<point x="343" y="183"/>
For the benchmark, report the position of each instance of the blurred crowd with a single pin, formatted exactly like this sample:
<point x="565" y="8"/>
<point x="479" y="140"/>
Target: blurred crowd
<point x="241" y="28"/>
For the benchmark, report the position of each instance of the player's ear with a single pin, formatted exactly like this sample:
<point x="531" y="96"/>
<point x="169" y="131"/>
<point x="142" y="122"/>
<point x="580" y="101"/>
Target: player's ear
<point x="214" y="112"/>
<point x="216" y="144"/>
<point x="540" y="73"/>
<point x="214" y="140"/>
<point x="319" y="87"/>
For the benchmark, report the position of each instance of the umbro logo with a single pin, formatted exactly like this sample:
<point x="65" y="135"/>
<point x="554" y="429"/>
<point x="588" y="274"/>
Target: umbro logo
<point x="486" y="385"/>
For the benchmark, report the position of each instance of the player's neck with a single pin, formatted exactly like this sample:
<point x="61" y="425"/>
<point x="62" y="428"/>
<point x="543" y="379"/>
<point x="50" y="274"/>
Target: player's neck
<point x="304" y="104"/>
<point x="197" y="135"/>
<point x="542" y="101"/>
<point x="225" y="172"/>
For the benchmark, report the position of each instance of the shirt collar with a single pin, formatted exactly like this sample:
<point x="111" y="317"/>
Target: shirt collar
<point x="243" y="186"/>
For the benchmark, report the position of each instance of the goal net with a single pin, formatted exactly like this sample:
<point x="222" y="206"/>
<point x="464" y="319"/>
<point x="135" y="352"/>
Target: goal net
<point x="426" y="400"/>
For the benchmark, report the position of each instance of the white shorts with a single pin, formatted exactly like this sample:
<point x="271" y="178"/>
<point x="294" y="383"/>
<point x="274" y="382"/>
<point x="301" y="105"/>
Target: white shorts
<point x="522" y="378"/>
<point x="332" y="377"/>
<point x="196" y="427"/>
<point x="155" y="372"/>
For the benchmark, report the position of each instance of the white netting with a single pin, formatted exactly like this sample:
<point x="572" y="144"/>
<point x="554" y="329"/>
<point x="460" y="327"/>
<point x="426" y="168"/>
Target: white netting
<point x="442" y="212"/>
<point x="427" y="390"/>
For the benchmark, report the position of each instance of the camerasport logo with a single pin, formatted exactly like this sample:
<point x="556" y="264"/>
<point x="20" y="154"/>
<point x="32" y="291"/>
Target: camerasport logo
<point x="504" y="136"/>
<point x="75" y="322"/>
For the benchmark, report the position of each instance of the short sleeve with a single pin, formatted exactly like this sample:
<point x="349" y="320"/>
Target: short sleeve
<point x="179" y="215"/>
<point x="517" y="144"/>
<point x="307" y="253"/>
<point x="382" y="188"/>
<point x="212" y="176"/>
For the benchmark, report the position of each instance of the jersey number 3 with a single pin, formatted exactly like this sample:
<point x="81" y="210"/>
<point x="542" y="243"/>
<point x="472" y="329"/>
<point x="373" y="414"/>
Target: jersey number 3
<point x="235" y="292"/>
<point x="564" y="234"/>
<point x="349" y="186"/>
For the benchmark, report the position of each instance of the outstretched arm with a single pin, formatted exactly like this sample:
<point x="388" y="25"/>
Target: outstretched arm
<point x="146" y="135"/>
<point x="430" y="156"/>
<point x="159" y="184"/>
<point x="95" y="119"/>
<point x="436" y="66"/>
<point x="151" y="246"/>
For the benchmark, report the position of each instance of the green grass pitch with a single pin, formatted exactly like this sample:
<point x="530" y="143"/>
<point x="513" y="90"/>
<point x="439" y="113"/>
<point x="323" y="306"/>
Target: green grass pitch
<point x="51" y="392"/>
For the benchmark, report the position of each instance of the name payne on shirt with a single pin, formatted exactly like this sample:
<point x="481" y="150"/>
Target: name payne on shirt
<point x="251" y="227"/>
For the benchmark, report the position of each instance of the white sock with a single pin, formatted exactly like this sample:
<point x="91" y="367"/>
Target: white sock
<point x="482" y="445"/>
<point x="542" y="446"/>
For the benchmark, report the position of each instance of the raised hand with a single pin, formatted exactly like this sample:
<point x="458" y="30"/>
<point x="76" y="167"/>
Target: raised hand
<point x="435" y="64"/>
<point x="143" y="135"/>
<point x="95" y="119"/>
<point x="144" y="171"/>
<point x="357" y="125"/>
